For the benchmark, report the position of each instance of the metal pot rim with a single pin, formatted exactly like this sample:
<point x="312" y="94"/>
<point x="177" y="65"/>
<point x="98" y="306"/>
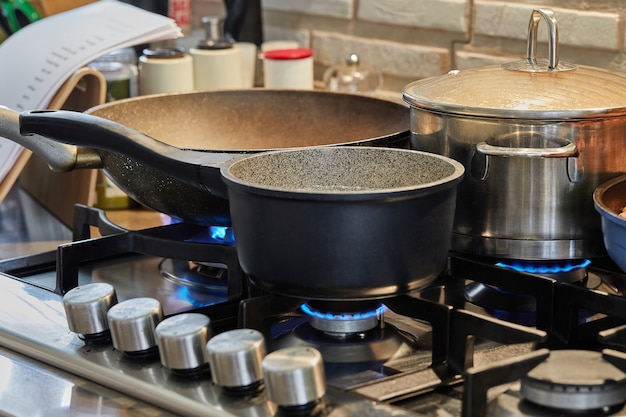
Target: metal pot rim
<point x="445" y="109"/>
<point x="477" y="92"/>
<point x="599" y="204"/>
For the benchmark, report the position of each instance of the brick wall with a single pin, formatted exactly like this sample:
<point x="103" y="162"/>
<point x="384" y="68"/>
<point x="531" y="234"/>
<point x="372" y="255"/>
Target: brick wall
<point x="406" y="40"/>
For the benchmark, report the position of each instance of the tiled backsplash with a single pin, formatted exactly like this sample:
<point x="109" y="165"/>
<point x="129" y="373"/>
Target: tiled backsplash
<point x="406" y="40"/>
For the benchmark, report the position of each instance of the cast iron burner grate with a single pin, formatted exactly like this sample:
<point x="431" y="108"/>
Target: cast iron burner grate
<point x="520" y="307"/>
<point x="173" y="241"/>
<point x="571" y="313"/>
<point x="494" y="288"/>
<point x="451" y="334"/>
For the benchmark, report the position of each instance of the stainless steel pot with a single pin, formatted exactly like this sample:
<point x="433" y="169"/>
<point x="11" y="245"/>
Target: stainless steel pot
<point x="536" y="138"/>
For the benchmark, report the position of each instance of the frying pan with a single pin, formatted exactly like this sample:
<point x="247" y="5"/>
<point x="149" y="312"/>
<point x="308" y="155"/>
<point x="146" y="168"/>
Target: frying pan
<point x="201" y="127"/>
<point x="326" y="222"/>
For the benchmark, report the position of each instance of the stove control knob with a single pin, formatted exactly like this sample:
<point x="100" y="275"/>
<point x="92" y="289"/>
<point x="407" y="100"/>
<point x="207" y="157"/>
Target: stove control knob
<point x="235" y="357"/>
<point x="182" y="340"/>
<point x="86" y="308"/>
<point x="294" y="377"/>
<point x="133" y="324"/>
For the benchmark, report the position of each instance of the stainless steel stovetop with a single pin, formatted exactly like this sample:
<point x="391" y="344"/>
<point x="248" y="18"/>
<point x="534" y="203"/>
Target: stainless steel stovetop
<point x="452" y="357"/>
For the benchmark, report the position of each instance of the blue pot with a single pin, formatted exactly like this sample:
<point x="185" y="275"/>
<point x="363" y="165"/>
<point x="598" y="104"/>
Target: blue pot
<point x="609" y="199"/>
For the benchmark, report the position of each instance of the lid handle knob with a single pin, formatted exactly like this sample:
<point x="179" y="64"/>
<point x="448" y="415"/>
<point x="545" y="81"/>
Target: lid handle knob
<point x="531" y="64"/>
<point x="553" y="37"/>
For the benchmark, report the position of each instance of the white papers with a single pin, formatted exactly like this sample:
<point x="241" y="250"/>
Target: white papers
<point x="9" y="152"/>
<point x="36" y="60"/>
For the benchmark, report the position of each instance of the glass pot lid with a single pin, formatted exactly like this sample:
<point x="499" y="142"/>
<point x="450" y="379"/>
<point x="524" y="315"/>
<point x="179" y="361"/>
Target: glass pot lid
<point x="529" y="89"/>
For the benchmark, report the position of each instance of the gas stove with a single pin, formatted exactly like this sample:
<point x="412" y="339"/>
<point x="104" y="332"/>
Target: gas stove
<point x="484" y="339"/>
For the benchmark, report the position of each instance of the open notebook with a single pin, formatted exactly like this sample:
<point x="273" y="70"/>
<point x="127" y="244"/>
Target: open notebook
<point x="38" y="59"/>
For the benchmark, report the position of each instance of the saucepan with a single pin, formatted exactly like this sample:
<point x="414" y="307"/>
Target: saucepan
<point x="341" y="222"/>
<point x="217" y="124"/>
<point x="609" y="199"/>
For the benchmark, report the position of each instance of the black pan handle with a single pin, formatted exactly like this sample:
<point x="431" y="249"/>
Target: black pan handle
<point x="197" y="168"/>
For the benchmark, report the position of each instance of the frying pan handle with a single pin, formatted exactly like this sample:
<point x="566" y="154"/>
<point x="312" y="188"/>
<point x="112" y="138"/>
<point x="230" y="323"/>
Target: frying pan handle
<point x="199" y="169"/>
<point x="59" y="156"/>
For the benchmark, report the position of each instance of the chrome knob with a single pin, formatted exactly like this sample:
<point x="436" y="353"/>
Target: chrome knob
<point x="294" y="377"/>
<point x="133" y="324"/>
<point x="86" y="308"/>
<point x="235" y="358"/>
<point x="182" y="340"/>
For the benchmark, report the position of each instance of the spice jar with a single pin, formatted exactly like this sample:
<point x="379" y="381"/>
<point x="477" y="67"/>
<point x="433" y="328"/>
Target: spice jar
<point x="288" y="68"/>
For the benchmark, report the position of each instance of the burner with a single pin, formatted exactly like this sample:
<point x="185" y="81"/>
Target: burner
<point x="567" y="382"/>
<point x="575" y="380"/>
<point x="205" y="275"/>
<point x="344" y="324"/>
<point x="346" y="332"/>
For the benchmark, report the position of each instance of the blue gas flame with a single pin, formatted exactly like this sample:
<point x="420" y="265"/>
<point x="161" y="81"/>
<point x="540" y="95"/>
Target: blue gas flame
<point x="308" y="310"/>
<point x="221" y="234"/>
<point x="544" y="268"/>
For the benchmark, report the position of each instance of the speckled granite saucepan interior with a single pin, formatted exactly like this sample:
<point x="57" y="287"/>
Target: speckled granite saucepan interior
<point x="342" y="171"/>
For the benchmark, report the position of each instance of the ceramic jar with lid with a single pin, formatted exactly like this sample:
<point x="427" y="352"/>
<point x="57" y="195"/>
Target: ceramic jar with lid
<point x="217" y="61"/>
<point x="166" y="70"/>
<point x="288" y="68"/>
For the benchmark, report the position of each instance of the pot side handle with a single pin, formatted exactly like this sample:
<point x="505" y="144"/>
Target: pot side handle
<point x="197" y="168"/>
<point x="568" y="150"/>
<point x="60" y="157"/>
<point x="479" y="166"/>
